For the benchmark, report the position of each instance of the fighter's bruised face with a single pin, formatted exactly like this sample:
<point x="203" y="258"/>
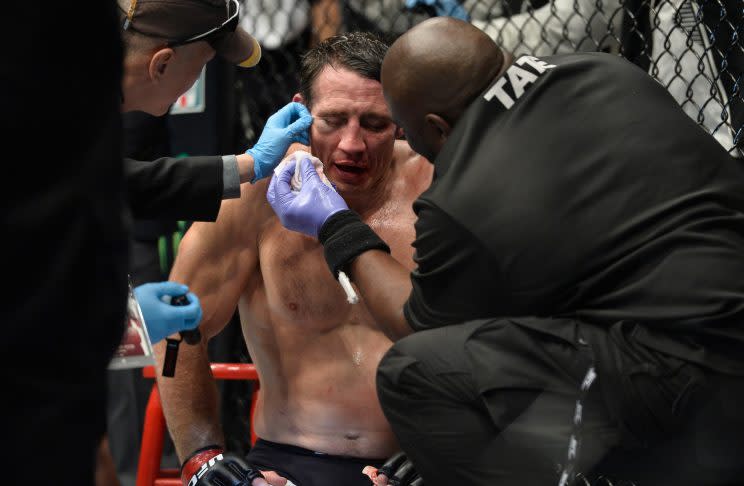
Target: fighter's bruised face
<point x="352" y="132"/>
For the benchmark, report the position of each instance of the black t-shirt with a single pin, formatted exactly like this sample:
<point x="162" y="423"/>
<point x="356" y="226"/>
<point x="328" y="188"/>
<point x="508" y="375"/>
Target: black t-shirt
<point x="575" y="186"/>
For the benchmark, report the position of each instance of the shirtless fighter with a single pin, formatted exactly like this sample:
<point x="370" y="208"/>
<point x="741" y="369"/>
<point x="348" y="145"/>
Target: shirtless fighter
<point x="318" y="418"/>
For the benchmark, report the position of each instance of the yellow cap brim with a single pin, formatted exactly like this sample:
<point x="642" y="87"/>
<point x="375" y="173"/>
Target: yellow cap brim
<point x="239" y="47"/>
<point x="255" y="55"/>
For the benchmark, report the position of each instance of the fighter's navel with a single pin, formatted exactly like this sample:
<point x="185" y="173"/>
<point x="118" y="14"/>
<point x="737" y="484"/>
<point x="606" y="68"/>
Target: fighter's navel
<point x="351" y="435"/>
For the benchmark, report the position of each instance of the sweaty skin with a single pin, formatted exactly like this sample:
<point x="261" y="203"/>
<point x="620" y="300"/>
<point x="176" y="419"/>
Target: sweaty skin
<point x="316" y="354"/>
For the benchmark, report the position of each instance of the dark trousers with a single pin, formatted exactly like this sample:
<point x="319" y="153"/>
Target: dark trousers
<point x="493" y="402"/>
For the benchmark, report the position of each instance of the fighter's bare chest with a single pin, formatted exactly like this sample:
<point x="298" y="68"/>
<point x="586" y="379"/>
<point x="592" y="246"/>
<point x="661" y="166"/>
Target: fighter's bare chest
<point x="297" y="281"/>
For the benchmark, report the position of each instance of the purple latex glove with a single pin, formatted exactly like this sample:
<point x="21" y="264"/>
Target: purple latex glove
<point x="304" y="211"/>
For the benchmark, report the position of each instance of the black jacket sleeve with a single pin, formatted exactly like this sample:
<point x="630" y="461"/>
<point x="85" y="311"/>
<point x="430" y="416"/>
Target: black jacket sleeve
<point x="453" y="282"/>
<point x="187" y="188"/>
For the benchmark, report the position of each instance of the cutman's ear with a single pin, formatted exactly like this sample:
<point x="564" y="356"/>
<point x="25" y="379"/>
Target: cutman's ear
<point x="159" y="63"/>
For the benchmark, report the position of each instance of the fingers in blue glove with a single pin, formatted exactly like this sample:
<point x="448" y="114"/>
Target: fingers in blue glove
<point x="289" y="124"/>
<point x="172" y="289"/>
<point x="191" y="313"/>
<point x="283" y="116"/>
<point x="287" y="115"/>
<point x="299" y="129"/>
<point x="159" y="289"/>
<point x="161" y="318"/>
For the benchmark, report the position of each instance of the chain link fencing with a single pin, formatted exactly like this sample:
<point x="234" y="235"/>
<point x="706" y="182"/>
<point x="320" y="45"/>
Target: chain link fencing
<point x="692" y="47"/>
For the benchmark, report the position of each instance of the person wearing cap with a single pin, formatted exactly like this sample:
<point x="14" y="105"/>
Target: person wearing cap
<point x="167" y="44"/>
<point x="64" y="214"/>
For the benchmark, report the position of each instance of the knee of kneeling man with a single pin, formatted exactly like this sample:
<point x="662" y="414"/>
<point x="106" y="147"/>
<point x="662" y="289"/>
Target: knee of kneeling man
<point x="431" y="350"/>
<point x="393" y="363"/>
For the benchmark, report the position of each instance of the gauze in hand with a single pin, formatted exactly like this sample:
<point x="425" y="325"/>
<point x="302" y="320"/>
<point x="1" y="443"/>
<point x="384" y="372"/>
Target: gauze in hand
<point x="296" y="185"/>
<point x="295" y="158"/>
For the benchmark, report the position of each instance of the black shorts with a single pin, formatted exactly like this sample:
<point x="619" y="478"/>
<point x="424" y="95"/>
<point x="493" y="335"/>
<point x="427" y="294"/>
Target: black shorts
<point x="309" y="468"/>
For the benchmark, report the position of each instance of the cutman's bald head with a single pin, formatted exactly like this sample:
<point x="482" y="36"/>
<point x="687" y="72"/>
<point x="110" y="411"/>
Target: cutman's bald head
<point x="432" y="73"/>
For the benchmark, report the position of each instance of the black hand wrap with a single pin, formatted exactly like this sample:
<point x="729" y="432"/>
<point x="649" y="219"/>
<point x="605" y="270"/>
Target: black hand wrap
<point x="344" y="237"/>
<point x="399" y="471"/>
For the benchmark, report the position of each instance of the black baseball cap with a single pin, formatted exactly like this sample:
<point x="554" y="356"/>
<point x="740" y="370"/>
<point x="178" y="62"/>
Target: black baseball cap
<point x="181" y="22"/>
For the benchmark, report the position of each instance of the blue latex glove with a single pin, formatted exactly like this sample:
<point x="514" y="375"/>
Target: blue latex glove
<point x="304" y="211"/>
<point x="288" y="125"/>
<point x="161" y="318"/>
<point x="443" y="8"/>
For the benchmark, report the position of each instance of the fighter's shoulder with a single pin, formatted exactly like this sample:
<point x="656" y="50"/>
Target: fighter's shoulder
<point x="415" y="168"/>
<point x="249" y="212"/>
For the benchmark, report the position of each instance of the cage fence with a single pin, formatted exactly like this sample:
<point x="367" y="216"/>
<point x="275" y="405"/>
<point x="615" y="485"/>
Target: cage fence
<point x="693" y="48"/>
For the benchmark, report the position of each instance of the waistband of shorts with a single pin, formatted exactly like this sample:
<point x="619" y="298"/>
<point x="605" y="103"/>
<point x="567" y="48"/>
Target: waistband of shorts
<point x="301" y="451"/>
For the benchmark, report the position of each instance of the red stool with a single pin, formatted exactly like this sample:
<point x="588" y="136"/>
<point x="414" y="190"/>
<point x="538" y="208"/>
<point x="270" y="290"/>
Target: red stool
<point x="149" y="472"/>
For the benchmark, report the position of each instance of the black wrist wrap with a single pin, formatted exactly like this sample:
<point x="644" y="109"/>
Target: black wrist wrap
<point x="344" y="237"/>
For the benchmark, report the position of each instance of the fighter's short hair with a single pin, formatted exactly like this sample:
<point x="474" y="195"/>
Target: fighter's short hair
<point x="359" y="52"/>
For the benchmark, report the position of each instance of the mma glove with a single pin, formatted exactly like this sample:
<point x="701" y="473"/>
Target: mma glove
<point x="399" y="471"/>
<point x="317" y="210"/>
<point x="288" y="125"/>
<point x="161" y="318"/>
<point x="211" y="466"/>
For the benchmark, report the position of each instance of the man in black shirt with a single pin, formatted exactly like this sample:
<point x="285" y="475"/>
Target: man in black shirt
<point x="578" y="297"/>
